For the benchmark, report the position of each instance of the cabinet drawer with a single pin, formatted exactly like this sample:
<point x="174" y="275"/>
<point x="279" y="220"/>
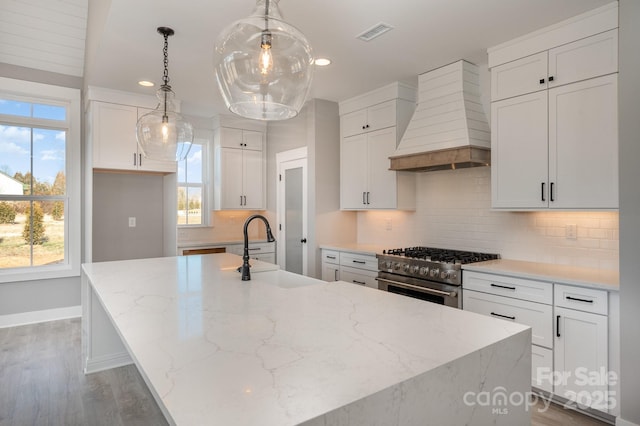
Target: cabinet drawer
<point x="541" y="368"/>
<point x="331" y="256"/>
<point x="581" y="299"/>
<point x="359" y="276"/>
<point x="359" y="261"/>
<point x="538" y="316"/>
<point x="533" y="291"/>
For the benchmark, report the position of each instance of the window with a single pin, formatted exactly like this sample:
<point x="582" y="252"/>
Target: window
<point x="192" y="183"/>
<point x="39" y="181"/>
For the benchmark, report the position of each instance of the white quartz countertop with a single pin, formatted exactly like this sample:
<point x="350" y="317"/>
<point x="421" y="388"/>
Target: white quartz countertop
<point x="210" y="243"/>
<point x="561" y="274"/>
<point x="366" y="249"/>
<point x="280" y="349"/>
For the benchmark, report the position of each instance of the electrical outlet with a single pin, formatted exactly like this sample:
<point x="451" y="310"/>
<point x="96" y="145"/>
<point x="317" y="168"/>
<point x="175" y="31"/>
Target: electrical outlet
<point x="132" y="222"/>
<point x="571" y="232"/>
<point x="387" y="224"/>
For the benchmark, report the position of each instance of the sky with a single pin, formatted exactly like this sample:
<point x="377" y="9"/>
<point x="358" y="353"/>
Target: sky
<point x="18" y="142"/>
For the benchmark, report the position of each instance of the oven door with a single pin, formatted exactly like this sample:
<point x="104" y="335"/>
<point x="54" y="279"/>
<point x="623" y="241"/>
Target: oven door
<point x="430" y="291"/>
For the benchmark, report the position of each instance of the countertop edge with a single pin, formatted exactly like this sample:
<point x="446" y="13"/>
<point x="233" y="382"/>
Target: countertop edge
<point x="607" y="280"/>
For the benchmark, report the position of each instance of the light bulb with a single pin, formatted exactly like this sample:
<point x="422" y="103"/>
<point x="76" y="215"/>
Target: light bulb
<point x="266" y="58"/>
<point x="165" y="132"/>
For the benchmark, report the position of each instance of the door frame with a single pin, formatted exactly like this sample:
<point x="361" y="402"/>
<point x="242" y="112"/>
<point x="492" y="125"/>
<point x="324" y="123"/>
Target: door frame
<point x="295" y="158"/>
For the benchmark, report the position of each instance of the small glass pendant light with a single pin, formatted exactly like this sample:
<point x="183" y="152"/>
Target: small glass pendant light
<point x="264" y="66"/>
<point x="163" y="134"/>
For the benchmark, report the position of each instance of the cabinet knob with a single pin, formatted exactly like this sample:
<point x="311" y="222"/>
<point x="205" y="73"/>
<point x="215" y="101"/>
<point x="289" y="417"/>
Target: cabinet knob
<point x="550" y="78"/>
<point x="542" y="81"/>
<point x="303" y="241"/>
<point x="367" y="126"/>
<point x="364" y="127"/>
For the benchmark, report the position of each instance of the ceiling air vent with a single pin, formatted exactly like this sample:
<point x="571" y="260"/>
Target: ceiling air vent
<point x="375" y="31"/>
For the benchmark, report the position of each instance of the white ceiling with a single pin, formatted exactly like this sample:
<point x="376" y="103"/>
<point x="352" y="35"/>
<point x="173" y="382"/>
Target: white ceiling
<point x="124" y="47"/>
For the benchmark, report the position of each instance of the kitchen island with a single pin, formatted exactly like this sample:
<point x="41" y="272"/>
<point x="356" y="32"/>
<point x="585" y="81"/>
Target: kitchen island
<point x="283" y="349"/>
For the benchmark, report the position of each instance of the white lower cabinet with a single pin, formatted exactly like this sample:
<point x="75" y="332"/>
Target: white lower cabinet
<point x="264" y="251"/>
<point x="569" y="333"/>
<point x="581" y="346"/>
<point x="356" y="268"/>
<point x="330" y="265"/>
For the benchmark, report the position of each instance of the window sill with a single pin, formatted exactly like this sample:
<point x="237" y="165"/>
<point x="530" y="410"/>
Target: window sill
<point x="43" y="273"/>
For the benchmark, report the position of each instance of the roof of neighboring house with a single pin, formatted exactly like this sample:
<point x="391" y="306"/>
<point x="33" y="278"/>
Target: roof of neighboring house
<point x="9" y="185"/>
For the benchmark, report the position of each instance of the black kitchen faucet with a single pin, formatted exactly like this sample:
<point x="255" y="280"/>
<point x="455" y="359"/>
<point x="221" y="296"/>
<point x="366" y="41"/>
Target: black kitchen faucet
<point x="246" y="275"/>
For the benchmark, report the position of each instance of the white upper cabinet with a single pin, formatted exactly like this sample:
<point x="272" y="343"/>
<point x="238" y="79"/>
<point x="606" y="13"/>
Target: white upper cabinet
<point x="554" y="137"/>
<point x="239" y="169"/>
<point x="113" y="139"/>
<point x="369" y="119"/>
<point x="371" y="126"/>
<point x="519" y="77"/>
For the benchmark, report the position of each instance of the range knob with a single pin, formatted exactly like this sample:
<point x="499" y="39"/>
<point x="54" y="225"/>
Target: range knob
<point x="415" y="269"/>
<point x="445" y="274"/>
<point x="434" y="272"/>
<point x="388" y="264"/>
<point x="424" y="270"/>
<point x="396" y="266"/>
<point x="406" y="267"/>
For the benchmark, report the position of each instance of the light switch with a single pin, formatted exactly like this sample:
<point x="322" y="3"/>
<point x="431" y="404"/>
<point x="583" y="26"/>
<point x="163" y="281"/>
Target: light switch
<point x="132" y="222"/>
<point x="571" y="232"/>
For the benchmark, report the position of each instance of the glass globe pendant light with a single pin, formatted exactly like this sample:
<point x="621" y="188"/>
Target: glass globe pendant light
<point x="264" y="66"/>
<point x="163" y="134"/>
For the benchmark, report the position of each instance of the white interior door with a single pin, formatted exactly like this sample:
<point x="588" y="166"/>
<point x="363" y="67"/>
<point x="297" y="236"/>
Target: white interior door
<point x="292" y="210"/>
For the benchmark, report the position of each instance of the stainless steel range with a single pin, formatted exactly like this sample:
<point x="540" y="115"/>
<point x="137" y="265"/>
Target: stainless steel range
<point x="426" y="273"/>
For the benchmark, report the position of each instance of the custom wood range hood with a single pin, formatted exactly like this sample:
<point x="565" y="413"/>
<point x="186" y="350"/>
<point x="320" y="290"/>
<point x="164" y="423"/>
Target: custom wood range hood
<point x="448" y="129"/>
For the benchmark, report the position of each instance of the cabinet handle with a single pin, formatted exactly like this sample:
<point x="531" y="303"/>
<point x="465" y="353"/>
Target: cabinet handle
<point x="502" y="286"/>
<point x="557" y="325"/>
<point x="550" y="78"/>
<point x="254" y="248"/>
<point x="363" y="198"/>
<point x="245" y="200"/>
<point x="368" y="197"/>
<point x="361" y="262"/>
<point x="577" y="299"/>
<point x="140" y="160"/>
<point x="542" y="192"/>
<point x="335" y="274"/>
<point x="135" y="159"/>
<point x="542" y="81"/>
<point x="331" y="257"/>
<point x="359" y="282"/>
<point x="241" y="200"/>
<point x="551" y="192"/>
<point x="503" y="316"/>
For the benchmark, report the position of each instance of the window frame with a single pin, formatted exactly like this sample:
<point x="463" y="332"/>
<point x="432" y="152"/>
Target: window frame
<point x="27" y="91"/>
<point x="206" y="138"/>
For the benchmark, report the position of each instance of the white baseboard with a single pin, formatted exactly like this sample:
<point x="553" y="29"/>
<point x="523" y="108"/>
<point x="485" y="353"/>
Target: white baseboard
<point x="33" y="317"/>
<point x="622" y="422"/>
<point x="107" y="362"/>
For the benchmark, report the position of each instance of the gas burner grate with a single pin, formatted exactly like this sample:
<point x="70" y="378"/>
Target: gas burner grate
<point x="441" y="255"/>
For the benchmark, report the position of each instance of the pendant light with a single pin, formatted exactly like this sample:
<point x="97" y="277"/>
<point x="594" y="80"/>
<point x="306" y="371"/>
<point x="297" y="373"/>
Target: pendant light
<point x="163" y="134"/>
<point x="264" y="66"/>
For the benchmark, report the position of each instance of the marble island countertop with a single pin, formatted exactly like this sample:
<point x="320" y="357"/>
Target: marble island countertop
<point x="561" y="274"/>
<point x="283" y="349"/>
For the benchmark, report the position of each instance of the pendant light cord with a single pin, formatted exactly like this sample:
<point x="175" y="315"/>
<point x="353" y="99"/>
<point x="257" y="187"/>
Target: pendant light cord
<point x="165" y="76"/>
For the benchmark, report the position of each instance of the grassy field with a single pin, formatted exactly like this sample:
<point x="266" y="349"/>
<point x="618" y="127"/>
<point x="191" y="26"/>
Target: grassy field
<point x="14" y="252"/>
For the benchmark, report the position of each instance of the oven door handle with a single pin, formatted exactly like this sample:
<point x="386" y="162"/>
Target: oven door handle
<point x="423" y="289"/>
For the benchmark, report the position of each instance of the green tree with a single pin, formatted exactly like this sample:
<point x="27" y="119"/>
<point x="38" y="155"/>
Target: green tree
<point x="182" y="199"/>
<point x="34" y="225"/>
<point x="7" y="212"/>
<point x="58" y="210"/>
<point x="59" y="184"/>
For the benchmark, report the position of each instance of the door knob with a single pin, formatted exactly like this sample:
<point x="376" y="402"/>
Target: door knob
<point x="303" y="241"/>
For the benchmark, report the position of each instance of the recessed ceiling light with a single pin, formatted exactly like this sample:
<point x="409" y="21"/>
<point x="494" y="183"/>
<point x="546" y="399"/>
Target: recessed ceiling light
<point x="322" y="62"/>
<point x="146" y="83"/>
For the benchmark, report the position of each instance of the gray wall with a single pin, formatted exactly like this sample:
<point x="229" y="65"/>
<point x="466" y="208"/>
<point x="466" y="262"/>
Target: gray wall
<point x="37" y="295"/>
<point x="118" y="196"/>
<point x="629" y="103"/>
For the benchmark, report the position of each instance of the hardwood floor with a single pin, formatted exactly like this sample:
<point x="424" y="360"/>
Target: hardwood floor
<point x="41" y="383"/>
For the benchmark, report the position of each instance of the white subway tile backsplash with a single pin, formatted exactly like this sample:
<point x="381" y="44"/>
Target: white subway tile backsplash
<point x="453" y="210"/>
